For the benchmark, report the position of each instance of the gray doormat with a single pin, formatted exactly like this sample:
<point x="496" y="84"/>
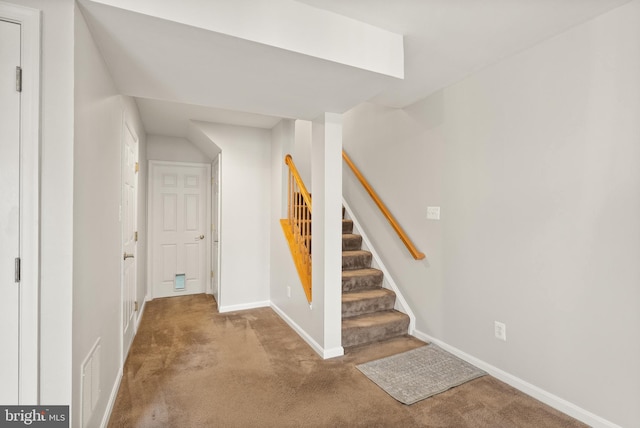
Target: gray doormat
<point x="420" y="373"/>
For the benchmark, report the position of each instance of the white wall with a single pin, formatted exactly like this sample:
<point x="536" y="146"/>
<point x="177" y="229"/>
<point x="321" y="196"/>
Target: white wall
<point x="56" y="206"/>
<point x="245" y="210"/>
<point x="319" y="323"/>
<point x="174" y="149"/>
<point x="287" y="25"/>
<point x="97" y="229"/>
<point x="534" y="162"/>
<point x="58" y="325"/>
<point x="284" y="278"/>
<point x="301" y="151"/>
<point x="283" y="137"/>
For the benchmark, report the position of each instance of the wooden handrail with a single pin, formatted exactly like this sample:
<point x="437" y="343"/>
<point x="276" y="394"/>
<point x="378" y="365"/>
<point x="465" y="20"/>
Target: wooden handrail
<point x="394" y="224"/>
<point x="296" y="175"/>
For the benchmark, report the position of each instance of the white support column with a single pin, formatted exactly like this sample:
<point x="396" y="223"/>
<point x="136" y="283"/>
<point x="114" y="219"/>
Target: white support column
<point x="326" y="189"/>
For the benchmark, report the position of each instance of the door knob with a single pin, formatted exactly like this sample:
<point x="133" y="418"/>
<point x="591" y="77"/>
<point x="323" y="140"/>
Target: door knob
<point x="126" y="256"/>
<point x="199" y="238"/>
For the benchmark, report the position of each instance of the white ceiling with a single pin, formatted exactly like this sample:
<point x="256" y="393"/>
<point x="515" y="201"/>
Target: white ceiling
<point x="209" y="76"/>
<point x="155" y="58"/>
<point x="446" y="40"/>
<point x="172" y="119"/>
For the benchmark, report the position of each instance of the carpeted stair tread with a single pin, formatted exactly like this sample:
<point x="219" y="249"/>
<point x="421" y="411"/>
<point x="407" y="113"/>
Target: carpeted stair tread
<point x="367" y="308"/>
<point x="351" y="242"/>
<point x="367" y="301"/>
<point x="361" y="279"/>
<point x="373" y="327"/>
<point x="356" y="259"/>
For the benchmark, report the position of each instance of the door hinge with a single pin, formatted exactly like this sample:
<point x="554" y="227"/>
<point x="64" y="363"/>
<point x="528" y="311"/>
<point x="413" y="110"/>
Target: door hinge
<point x="137" y="167"/>
<point x="211" y="274"/>
<point x="135" y="236"/>
<point x="17" y="269"/>
<point x="18" y="78"/>
<point x="135" y="304"/>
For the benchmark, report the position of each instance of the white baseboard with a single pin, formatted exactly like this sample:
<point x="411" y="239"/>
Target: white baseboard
<point x="244" y="306"/>
<point x="140" y="313"/>
<point x="324" y="353"/>
<point x="112" y="400"/>
<point x="338" y="351"/>
<point x="538" y="393"/>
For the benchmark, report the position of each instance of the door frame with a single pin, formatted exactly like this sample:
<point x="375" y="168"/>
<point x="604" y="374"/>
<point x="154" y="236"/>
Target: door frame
<point x="29" y="319"/>
<point x="153" y="165"/>
<point x="216" y="180"/>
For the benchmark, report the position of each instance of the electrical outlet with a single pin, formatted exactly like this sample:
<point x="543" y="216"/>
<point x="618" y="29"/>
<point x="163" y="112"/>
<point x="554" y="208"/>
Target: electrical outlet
<point x="500" y="330"/>
<point x="288" y="291"/>
<point x="433" y="213"/>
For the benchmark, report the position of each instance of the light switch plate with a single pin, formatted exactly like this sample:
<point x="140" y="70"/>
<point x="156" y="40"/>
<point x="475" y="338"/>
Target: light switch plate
<point x="433" y="213"/>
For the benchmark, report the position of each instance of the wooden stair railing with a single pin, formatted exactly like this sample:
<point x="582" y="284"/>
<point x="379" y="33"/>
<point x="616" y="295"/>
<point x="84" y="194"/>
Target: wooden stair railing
<point x="394" y="224"/>
<point x="297" y="225"/>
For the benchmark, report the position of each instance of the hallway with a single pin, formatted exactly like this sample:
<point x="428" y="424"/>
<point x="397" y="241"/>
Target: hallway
<point x="190" y="366"/>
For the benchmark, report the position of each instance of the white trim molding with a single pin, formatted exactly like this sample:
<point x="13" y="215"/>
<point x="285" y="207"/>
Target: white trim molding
<point x="540" y="394"/>
<point x="324" y="353"/>
<point x="243" y="306"/>
<point x="112" y="400"/>
<point x="29" y="349"/>
<point x="140" y="314"/>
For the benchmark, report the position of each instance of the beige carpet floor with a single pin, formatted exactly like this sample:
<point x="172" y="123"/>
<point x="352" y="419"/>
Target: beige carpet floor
<point x="190" y="366"/>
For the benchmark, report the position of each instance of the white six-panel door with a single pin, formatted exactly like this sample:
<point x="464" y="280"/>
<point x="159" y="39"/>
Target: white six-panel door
<point x="179" y="228"/>
<point x="9" y="210"/>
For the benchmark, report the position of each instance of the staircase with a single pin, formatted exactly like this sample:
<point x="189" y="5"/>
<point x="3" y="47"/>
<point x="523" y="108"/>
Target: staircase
<point x="367" y="308"/>
<point x="368" y="313"/>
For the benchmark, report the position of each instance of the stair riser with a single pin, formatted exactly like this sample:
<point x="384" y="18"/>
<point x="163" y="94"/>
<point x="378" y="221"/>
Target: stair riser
<point x="362" y="282"/>
<point x="360" y="336"/>
<point x="350" y="243"/>
<point x="352" y="309"/>
<point x="357" y="261"/>
<point x="347" y="226"/>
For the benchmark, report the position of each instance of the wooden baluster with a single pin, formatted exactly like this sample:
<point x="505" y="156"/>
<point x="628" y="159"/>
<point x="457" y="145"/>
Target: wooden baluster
<point x="298" y="225"/>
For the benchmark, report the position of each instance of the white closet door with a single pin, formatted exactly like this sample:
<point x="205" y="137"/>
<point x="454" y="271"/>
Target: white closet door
<point x="9" y="210"/>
